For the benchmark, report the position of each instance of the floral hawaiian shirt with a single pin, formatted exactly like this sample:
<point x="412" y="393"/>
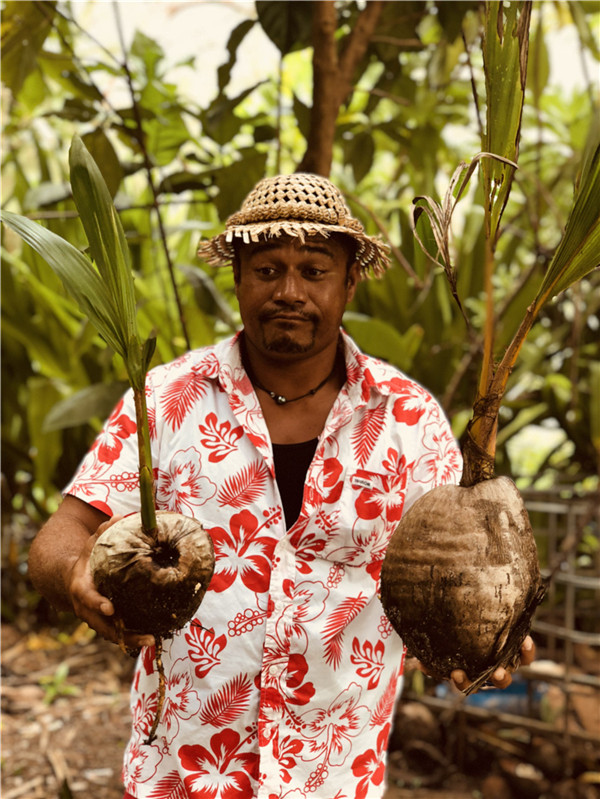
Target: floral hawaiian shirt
<point x="284" y="684"/>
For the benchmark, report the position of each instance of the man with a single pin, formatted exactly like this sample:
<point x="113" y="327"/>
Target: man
<point x="299" y="454"/>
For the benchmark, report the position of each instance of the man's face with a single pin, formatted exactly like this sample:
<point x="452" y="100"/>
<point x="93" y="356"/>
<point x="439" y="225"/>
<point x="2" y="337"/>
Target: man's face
<point x="292" y="296"/>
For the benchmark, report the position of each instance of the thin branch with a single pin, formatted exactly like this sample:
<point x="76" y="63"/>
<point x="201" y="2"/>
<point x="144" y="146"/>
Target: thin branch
<point x="459" y="372"/>
<point x="383" y="39"/>
<point x="139" y="134"/>
<point x="385" y="95"/>
<point x="279" y="114"/>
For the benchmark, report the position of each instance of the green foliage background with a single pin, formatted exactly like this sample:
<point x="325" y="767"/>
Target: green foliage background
<point x="177" y="170"/>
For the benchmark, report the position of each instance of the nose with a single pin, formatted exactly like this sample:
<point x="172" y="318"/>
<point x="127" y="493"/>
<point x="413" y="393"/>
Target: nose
<point x="290" y="289"/>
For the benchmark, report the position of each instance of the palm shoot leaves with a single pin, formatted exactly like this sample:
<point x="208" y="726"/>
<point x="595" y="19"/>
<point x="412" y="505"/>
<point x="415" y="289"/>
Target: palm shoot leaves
<point x="505" y="49"/>
<point x="579" y="249"/>
<point x="103" y="290"/>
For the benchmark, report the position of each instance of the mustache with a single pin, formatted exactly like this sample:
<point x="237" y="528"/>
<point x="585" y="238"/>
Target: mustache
<point x="265" y="316"/>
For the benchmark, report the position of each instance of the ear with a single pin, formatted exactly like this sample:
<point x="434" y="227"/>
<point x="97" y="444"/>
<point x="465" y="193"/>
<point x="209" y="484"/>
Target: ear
<point x="352" y="278"/>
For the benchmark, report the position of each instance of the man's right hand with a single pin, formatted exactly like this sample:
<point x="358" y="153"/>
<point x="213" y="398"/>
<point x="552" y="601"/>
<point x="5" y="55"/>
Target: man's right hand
<point x="59" y="568"/>
<point x="92" y="607"/>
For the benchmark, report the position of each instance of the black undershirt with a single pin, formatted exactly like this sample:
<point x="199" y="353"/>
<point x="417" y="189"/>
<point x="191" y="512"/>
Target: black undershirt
<point x="291" y="464"/>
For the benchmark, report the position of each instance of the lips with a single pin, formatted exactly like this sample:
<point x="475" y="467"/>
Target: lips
<point x="284" y="317"/>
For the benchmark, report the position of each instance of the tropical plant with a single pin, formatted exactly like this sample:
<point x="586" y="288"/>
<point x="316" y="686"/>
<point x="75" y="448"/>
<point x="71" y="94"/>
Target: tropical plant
<point x="461" y="581"/>
<point x="176" y="168"/>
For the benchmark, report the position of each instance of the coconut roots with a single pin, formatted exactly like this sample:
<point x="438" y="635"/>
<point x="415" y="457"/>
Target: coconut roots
<point x="156" y="581"/>
<point x="460" y="580"/>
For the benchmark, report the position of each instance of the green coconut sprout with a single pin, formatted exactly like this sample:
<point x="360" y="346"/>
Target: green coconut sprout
<point x="103" y="288"/>
<point x="505" y="54"/>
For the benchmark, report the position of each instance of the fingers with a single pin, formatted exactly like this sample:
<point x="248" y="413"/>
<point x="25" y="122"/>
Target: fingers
<point x="460" y="679"/>
<point x="95" y="609"/>
<point x="527" y="651"/>
<point x="502" y="677"/>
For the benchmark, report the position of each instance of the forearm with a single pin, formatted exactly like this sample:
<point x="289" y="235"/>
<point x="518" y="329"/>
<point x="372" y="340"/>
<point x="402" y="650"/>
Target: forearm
<point x="57" y="548"/>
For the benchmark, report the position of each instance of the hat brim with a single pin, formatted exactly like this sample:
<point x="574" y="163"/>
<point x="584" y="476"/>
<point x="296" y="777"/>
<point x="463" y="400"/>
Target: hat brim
<point x="372" y="254"/>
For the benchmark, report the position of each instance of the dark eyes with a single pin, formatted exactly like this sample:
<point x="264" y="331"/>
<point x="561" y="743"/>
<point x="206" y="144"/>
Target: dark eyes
<point x="269" y="271"/>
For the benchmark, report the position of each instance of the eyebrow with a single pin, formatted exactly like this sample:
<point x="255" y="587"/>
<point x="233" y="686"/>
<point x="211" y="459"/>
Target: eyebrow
<point x="306" y="247"/>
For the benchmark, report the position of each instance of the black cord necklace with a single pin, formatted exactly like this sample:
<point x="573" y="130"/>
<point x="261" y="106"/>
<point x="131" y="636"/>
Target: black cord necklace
<point x="279" y="398"/>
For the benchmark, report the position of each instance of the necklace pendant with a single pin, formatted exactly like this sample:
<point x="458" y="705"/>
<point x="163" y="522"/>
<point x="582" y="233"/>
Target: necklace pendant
<point x="279" y="399"/>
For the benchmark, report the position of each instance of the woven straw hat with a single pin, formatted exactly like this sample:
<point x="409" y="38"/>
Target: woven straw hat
<point x="297" y="205"/>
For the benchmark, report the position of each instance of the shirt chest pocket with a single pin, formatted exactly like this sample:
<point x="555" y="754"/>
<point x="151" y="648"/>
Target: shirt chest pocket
<point x="370" y="507"/>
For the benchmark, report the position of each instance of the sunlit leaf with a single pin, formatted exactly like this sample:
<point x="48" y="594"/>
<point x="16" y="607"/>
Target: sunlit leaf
<point x="24" y="30"/>
<point x="586" y="34"/>
<point x="96" y="400"/>
<point x="579" y="249"/>
<point x="103" y="153"/>
<point x="539" y="63"/>
<point x="106" y="238"/>
<point x="236" y="37"/>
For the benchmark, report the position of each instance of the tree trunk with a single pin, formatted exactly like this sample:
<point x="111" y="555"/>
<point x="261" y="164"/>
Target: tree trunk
<point x="333" y="76"/>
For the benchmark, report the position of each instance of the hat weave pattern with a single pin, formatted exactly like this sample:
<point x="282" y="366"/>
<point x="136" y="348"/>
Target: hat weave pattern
<point x="298" y="206"/>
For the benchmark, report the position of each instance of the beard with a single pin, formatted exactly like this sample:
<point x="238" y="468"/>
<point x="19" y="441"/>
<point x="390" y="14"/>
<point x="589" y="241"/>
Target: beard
<point x="286" y="342"/>
<point x="282" y="338"/>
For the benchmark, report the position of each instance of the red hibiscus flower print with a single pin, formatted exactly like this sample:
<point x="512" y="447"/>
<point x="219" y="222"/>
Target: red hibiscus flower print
<point x="241" y="552"/>
<point x="183" y="487"/>
<point x="109" y="443"/>
<point x="332" y="471"/>
<point x="307" y="602"/>
<point x="142" y="760"/>
<point x="284" y="681"/>
<point x="367" y="549"/>
<point x="382" y="495"/>
<point x="221" y="772"/>
<point x="286" y="751"/>
<point x="411" y="401"/>
<point x="181" y="700"/>
<point x="441" y="462"/>
<point x="324" y="484"/>
<point x="370" y="765"/>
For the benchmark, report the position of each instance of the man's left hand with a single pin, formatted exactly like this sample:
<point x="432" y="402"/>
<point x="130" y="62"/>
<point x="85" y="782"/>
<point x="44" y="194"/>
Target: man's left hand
<point x="502" y="677"/>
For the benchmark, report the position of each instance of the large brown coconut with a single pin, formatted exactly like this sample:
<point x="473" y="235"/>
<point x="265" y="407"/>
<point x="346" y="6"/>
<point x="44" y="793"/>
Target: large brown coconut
<point x="156" y="582"/>
<point x="460" y="580"/>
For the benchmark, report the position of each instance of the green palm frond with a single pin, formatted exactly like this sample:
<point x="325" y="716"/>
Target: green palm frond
<point x="105" y="235"/>
<point x="579" y="249"/>
<point x="81" y="280"/>
<point x="103" y="289"/>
